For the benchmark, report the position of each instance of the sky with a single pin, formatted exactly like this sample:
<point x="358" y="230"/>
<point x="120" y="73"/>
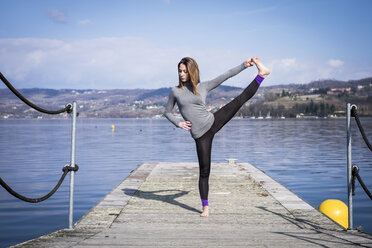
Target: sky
<point x="128" y="44"/>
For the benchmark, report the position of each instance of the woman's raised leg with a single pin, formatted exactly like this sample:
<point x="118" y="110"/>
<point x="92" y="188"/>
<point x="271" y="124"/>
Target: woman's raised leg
<point x="227" y="112"/>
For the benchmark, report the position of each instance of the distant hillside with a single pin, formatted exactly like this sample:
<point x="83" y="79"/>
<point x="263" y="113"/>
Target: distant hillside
<point x="324" y="84"/>
<point x="162" y="92"/>
<point x="339" y="84"/>
<point x="151" y="102"/>
<point x="116" y="95"/>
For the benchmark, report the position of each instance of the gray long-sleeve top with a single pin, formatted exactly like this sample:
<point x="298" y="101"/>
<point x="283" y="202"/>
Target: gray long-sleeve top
<point x="192" y="107"/>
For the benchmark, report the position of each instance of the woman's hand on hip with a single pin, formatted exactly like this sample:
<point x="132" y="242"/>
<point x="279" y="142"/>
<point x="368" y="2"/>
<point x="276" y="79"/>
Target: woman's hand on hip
<point x="186" y="125"/>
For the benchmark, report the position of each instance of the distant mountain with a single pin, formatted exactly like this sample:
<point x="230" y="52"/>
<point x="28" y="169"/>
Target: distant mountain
<point x="339" y="84"/>
<point x="144" y="94"/>
<point x="324" y="84"/>
<point x="144" y="102"/>
<point x="162" y="92"/>
<point x="228" y="88"/>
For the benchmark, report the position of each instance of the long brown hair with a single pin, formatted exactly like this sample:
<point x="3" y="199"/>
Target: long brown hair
<point x="193" y="70"/>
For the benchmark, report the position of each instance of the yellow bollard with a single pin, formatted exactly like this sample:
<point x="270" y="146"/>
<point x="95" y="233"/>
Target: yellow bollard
<point x="336" y="210"/>
<point x="112" y="127"/>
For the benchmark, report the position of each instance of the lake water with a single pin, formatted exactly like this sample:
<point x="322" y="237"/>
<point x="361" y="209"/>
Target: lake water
<point x="307" y="156"/>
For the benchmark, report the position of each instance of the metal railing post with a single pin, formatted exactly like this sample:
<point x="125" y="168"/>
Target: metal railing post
<point x="71" y="208"/>
<point x="349" y="173"/>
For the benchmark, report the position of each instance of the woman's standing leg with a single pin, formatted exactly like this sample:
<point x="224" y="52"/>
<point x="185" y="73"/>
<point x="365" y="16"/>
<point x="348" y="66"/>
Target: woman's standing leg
<point x="203" y="148"/>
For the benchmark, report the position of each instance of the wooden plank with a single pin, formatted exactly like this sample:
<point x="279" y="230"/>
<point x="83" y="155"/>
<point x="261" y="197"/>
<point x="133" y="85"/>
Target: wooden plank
<point x="158" y="205"/>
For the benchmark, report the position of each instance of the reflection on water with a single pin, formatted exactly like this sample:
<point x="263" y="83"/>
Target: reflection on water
<point x="307" y="156"/>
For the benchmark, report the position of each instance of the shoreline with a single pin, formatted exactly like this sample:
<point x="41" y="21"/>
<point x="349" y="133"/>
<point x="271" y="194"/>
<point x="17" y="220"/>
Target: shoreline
<point x="163" y="118"/>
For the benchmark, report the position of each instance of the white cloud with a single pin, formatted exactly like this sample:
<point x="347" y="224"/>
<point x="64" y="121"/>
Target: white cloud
<point x="84" y="22"/>
<point x="96" y="63"/>
<point x="287" y="70"/>
<point x="133" y="62"/>
<point x="57" y="15"/>
<point x="128" y="62"/>
<point x="295" y="70"/>
<point x="288" y="64"/>
<point x="335" y="63"/>
<point x="285" y="64"/>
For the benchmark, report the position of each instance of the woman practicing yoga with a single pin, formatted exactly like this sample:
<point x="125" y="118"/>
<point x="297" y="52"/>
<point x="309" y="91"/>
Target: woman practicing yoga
<point x="190" y="95"/>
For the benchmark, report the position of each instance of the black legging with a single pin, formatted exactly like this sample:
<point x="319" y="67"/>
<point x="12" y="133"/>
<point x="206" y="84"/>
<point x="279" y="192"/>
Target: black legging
<point x="204" y="143"/>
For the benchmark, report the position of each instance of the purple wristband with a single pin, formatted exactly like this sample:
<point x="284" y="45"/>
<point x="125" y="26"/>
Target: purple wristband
<point x="259" y="79"/>
<point x="205" y="202"/>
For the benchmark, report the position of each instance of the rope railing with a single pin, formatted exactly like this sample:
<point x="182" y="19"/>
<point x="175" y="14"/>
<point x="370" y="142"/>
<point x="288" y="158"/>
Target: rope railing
<point x="353" y="170"/>
<point x="69" y="108"/>
<point x="359" y="124"/>
<point x="355" y="173"/>
<point x="65" y="170"/>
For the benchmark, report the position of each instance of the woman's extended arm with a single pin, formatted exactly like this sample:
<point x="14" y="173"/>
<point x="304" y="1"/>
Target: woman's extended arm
<point x="210" y="85"/>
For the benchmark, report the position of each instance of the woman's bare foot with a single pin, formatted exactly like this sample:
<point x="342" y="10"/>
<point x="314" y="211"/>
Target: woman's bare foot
<point x="205" y="213"/>
<point x="262" y="70"/>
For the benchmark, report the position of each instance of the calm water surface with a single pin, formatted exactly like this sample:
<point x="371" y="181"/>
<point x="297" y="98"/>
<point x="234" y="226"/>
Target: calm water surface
<point x="307" y="156"/>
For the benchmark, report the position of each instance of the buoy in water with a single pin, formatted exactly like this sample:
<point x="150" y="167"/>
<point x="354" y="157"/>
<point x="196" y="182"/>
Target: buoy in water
<point x="336" y="210"/>
<point x="112" y="127"/>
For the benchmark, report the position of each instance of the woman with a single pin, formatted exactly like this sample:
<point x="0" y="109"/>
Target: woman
<point x="190" y="95"/>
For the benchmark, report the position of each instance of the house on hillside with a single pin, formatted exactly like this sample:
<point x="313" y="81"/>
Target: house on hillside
<point x="337" y="91"/>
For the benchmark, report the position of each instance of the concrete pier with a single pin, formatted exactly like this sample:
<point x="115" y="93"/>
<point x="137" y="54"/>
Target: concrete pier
<point x="158" y="205"/>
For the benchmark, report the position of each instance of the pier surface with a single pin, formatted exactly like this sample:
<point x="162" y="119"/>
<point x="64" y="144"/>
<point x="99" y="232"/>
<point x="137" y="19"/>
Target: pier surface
<point x="158" y="205"/>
